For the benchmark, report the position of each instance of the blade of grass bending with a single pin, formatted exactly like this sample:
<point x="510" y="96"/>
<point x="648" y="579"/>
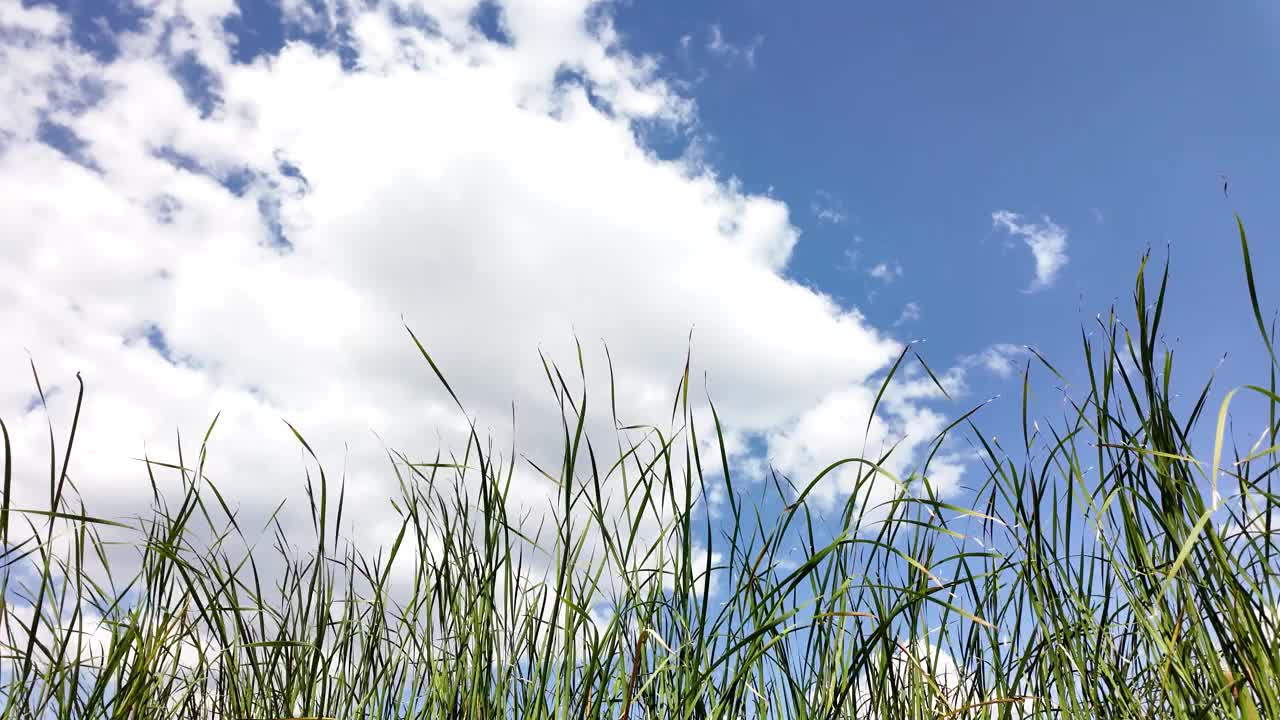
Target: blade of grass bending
<point x="932" y="377"/>
<point x="8" y="486"/>
<point x="880" y="393"/>
<point x="1253" y="291"/>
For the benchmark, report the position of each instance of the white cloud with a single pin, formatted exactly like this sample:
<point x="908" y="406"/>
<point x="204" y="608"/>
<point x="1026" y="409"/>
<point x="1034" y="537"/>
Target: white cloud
<point x="1001" y="359"/>
<point x="449" y="180"/>
<point x="1047" y="240"/>
<point x="886" y="272"/>
<point x="731" y="53"/>
<point x="837" y="428"/>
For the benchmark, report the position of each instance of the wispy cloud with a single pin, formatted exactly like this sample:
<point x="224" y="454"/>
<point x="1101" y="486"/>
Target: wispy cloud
<point x="910" y="313"/>
<point x="732" y="53"/>
<point x="1000" y="359"/>
<point x="828" y="209"/>
<point x="851" y="255"/>
<point x="886" y="272"/>
<point x="1047" y="240"/>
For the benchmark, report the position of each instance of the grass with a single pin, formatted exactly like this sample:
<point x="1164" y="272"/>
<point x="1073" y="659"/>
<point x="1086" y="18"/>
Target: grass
<point x="1098" y="570"/>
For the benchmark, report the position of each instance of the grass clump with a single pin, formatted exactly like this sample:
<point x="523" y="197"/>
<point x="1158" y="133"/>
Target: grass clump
<point x="1099" y="570"/>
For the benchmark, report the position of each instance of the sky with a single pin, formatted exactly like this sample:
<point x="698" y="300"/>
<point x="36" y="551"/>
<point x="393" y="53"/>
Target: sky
<point x="921" y="119"/>
<point x="237" y="207"/>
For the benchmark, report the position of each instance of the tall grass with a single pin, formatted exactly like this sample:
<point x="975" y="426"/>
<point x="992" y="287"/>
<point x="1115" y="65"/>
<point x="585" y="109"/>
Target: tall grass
<point x="1098" y="570"/>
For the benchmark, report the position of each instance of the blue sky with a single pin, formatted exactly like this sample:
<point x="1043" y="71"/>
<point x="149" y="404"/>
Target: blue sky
<point x="1113" y="119"/>
<point x="1116" y="120"/>
<point x="234" y="204"/>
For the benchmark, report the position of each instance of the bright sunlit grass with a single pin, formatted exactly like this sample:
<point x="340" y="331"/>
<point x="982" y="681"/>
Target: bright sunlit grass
<point x="1097" y="570"/>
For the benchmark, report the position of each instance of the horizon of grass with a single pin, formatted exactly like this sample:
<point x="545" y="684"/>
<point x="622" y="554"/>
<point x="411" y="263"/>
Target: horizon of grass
<point x="1087" y="576"/>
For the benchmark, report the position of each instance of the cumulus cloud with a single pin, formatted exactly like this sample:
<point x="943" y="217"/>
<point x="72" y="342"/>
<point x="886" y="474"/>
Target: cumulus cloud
<point x="1047" y="240"/>
<point x="837" y="427"/>
<point x="246" y="235"/>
